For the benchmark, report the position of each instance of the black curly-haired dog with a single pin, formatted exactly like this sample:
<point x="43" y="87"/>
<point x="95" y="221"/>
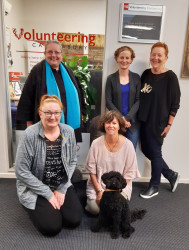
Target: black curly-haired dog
<point x="114" y="208"/>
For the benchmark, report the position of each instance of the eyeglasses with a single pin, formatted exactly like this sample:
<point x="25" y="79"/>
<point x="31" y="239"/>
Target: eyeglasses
<point x="50" y="52"/>
<point x="49" y="114"/>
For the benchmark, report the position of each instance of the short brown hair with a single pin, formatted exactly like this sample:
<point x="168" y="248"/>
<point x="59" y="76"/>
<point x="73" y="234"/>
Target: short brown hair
<point x="161" y="45"/>
<point x="53" y="41"/>
<point x="108" y="117"/>
<point x="123" y="48"/>
<point x="50" y="98"/>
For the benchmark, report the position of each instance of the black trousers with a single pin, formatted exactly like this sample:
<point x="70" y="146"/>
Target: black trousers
<point x="49" y="221"/>
<point x="152" y="149"/>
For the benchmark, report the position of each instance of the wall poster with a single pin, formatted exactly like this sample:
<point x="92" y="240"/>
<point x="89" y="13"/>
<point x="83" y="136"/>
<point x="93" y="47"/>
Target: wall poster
<point x="140" y="23"/>
<point x="9" y="51"/>
<point x="185" y="63"/>
<point x="96" y="53"/>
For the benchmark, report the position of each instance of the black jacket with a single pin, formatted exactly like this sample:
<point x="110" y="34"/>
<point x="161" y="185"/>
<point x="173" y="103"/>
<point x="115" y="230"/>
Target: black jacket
<point x="159" y="98"/>
<point x="34" y="88"/>
<point x="113" y="97"/>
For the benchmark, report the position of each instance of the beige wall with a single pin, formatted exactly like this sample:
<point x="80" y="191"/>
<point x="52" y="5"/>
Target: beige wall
<point x="84" y="16"/>
<point x="175" y="148"/>
<point x="15" y="20"/>
<point x="5" y="126"/>
<point x="49" y="16"/>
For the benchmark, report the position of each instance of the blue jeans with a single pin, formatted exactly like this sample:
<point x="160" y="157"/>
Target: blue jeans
<point x="152" y="149"/>
<point x="133" y="137"/>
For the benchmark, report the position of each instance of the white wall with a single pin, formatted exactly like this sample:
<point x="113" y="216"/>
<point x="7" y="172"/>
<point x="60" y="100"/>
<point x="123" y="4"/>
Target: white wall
<point x="76" y="14"/>
<point x="4" y="110"/>
<point x="175" y="148"/>
<point x="84" y="16"/>
<point x="47" y="16"/>
<point x="15" y="20"/>
<point x="87" y="16"/>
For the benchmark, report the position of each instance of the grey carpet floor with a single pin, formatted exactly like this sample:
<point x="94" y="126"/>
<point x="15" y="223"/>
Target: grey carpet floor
<point x="165" y="226"/>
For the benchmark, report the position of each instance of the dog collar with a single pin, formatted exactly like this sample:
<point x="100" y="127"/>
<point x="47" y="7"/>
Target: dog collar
<point x="110" y="190"/>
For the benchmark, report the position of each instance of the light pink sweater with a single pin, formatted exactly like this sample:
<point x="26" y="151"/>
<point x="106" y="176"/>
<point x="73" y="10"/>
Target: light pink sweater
<point x="100" y="161"/>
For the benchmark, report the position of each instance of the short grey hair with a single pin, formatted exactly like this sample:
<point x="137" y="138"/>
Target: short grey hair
<point x="53" y="41"/>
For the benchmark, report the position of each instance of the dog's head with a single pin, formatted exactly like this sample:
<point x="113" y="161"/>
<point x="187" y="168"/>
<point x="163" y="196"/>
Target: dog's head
<point x="114" y="180"/>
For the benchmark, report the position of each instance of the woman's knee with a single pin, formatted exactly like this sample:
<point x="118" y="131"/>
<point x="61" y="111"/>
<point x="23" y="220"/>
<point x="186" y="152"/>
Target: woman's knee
<point x="72" y="217"/>
<point x="48" y="222"/>
<point x="152" y="151"/>
<point x="74" y="221"/>
<point x="145" y="151"/>
<point x="92" y="207"/>
<point x="49" y="228"/>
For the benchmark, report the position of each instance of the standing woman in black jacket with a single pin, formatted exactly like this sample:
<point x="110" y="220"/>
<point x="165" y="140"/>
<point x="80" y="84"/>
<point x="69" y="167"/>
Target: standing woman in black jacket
<point x="51" y="76"/>
<point x="159" y="102"/>
<point x="123" y="91"/>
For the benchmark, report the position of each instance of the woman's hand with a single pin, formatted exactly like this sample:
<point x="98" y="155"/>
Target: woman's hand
<point x="60" y="197"/>
<point x="54" y="202"/>
<point x="127" y="124"/>
<point x="99" y="197"/>
<point x="29" y="123"/>
<point x="97" y="187"/>
<point x="165" y="131"/>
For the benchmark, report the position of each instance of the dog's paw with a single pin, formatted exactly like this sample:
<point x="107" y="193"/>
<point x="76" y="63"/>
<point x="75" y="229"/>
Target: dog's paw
<point x="132" y="229"/>
<point x="128" y="233"/>
<point x="94" y="229"/>
<point x="114" y="235"/>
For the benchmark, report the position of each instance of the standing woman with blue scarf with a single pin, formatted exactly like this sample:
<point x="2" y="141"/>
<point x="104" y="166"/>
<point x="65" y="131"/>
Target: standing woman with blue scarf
<point x="52" y="77"/>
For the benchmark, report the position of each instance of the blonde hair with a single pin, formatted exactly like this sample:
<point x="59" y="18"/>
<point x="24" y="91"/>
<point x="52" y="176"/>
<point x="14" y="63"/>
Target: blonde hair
<point x="161" y="45"/>
<point x="49" y="98"/>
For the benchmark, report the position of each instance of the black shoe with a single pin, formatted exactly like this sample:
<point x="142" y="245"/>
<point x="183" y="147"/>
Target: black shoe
<point x="174" y="180"/>
<point x="149" y="193"/>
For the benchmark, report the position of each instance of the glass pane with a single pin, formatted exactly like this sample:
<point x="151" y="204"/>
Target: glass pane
<point x="78" y="25"/>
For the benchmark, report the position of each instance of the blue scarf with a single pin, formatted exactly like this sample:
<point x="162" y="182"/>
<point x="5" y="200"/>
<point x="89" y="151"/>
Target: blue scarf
<point x="72" y="99"/>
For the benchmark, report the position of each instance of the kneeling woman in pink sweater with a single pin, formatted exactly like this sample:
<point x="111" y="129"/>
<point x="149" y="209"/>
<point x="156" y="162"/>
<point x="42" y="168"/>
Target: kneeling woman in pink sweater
<point x="110" y="152"/>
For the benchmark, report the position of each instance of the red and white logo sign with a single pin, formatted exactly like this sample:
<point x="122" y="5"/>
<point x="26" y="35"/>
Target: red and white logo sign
<point x="15" y="33"/>
<point x="126" y="6"/>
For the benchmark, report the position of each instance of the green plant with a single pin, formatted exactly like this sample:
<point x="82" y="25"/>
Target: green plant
<point x="83" y="74"/>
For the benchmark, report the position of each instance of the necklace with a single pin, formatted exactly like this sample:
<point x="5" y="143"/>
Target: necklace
<point x="111" y="148"/>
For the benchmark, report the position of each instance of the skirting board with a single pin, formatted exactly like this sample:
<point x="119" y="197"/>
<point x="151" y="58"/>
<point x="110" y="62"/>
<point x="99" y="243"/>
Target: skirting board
<point x="85" y="176"/>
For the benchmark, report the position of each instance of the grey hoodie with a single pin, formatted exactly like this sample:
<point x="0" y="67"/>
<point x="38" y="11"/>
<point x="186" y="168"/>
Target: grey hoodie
<point x="30" y="163"/>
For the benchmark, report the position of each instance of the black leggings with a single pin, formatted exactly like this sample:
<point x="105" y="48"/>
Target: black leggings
<point x="49" y="221"/>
